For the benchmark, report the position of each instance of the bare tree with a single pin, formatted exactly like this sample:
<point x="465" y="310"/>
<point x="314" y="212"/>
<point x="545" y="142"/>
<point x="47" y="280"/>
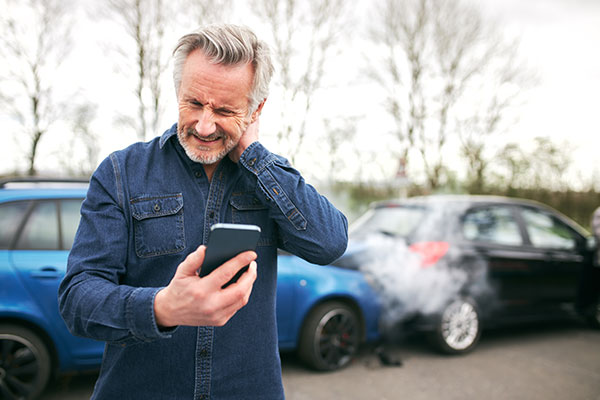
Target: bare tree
<point x="515" y="161"/>
<point x="400" y="35"/>
<point x="35" y="38"/>
<point x="434" y="55"/>
<point x="546" y="164"/>
<point x="338" y="133"/>
<point x="203" y="11"/>
<point x="304" y="36"/>
<point x="145" y="23"/>
<point x="80" y="156"/>
<point x="149" y="25"/>
<point x="489" y="114"/>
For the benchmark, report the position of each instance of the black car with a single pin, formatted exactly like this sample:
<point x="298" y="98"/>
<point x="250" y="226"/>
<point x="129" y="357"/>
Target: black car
<point x="451" y="265"/>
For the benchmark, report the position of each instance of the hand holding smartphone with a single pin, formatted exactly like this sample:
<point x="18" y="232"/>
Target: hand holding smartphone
<point x="226" y="241"/>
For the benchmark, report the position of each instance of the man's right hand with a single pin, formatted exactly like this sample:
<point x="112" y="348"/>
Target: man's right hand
<point x="194" y="301"/>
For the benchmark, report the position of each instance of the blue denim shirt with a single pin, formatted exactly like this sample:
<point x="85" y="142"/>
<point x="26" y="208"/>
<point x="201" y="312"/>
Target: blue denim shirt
<point x="147" y="207"/>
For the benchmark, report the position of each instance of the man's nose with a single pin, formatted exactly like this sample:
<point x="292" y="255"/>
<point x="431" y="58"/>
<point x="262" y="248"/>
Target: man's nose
<point x="206" y="122"/>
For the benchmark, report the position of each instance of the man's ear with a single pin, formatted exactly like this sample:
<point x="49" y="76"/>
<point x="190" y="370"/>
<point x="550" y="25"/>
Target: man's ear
<point x="257" y="112"/>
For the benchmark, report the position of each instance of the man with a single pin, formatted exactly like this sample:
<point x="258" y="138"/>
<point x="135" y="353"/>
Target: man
<point x="131" y="279"/>
<point x="596" y="232"/>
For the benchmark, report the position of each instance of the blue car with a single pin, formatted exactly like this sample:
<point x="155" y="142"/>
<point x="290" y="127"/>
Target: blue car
<point x="323" y="312"/>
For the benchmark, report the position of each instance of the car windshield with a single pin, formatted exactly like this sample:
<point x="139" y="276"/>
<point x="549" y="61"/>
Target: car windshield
<point x="397" y="221"/>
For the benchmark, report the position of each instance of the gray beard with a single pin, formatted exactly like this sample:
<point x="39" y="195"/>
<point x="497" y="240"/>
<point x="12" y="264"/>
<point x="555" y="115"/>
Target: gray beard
<point x="203" y="159"/>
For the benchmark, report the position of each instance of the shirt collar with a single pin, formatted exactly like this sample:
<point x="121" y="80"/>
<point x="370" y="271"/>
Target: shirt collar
<point x="167" y="135"/>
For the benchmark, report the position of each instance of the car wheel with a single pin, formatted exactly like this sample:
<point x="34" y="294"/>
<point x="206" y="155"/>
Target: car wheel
<point x="330" y="337"/>
<point x="24" y="363"/>
<point x="458" y="327"/>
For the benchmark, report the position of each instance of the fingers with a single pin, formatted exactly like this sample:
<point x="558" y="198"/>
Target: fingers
<point x="238" y="294"/>
<point x="192" y="262"/>
<point x="223" y="274"/>
<point x="193" y="301"/>
<point x="246" y="282"/>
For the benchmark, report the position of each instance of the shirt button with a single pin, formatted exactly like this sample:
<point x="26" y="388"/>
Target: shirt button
<point x="251" y="162"/>
<point x="198" y="174"/>
<point x="211" y="215"/>
<point x="203" y="353"/>
<point x="156" y="207"/>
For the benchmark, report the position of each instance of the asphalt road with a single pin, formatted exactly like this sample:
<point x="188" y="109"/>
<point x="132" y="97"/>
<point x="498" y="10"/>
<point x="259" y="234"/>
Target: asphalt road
<point x="546" y="362"/>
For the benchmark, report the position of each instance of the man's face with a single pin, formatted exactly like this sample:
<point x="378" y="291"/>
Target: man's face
<point x="213" y="107"/>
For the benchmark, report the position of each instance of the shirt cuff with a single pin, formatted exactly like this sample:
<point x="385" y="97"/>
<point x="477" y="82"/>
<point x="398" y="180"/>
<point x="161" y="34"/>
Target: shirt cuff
<point x="256" y="158"/>
<point x="141" y="318"/>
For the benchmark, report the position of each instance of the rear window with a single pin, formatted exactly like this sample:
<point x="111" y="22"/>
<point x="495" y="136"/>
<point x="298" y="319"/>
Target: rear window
<point x="396" y="221"/>
<point x="41" y="230"/>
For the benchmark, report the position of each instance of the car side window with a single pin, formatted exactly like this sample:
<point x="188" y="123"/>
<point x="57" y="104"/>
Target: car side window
<point x="11" y="215"/>
<point x="548" y="232"/>
<point x="492" y="224"/>
<point x="69" y="221"/>
<point x="41" y="229"/>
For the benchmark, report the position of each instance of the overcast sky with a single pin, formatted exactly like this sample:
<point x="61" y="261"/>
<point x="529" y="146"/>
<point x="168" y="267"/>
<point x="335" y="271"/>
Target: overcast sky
<point x="559" y="40"/>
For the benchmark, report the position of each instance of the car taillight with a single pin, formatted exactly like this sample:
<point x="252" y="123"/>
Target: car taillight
<point x="430" y="252"/>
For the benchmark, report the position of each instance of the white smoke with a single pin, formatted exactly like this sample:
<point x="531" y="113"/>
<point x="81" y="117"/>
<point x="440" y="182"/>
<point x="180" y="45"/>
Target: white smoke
<point x="404" y="285"/>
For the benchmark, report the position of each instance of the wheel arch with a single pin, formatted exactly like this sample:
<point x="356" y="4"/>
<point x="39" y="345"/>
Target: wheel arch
<point x="41" y="333"/>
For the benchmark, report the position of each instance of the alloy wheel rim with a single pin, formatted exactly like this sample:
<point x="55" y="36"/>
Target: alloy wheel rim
<point x="336" y="338"/>
<point x="460" y="325"/>
<point x="19" y="367"/>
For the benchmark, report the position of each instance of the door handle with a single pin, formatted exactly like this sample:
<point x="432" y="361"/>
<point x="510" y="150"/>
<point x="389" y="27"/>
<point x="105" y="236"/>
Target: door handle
<point x="46" y="273"/>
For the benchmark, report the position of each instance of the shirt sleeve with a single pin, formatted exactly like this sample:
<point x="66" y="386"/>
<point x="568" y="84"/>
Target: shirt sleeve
<point x="92" y="301"/>
<point x="309" y="225"/>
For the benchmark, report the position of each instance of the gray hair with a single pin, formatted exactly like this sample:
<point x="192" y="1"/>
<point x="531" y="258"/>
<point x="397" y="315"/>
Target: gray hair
<point x="228" y="45"/>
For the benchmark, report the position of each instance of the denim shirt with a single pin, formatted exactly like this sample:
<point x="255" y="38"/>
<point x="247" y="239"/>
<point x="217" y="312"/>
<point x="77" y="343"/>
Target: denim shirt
<point x="147" y="207"/>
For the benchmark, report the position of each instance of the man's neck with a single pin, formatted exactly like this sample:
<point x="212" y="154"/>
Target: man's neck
<point x="209" y="169"/>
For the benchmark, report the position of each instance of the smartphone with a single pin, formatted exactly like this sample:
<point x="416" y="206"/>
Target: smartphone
<point x="226" y="241"/>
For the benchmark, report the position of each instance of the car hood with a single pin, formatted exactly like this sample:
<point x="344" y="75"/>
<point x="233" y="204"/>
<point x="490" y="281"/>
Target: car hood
<point x="356" y="254"/>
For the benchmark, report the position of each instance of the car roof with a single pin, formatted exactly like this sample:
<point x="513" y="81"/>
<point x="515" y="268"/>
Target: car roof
<point x="466" y="200"/>
<point x="41" y="188"/>
<point x="457" y="199"/>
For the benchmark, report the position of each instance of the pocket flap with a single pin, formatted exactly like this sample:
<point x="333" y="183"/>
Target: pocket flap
<point x="158" y="206"/>
<point x="246" y="202"/>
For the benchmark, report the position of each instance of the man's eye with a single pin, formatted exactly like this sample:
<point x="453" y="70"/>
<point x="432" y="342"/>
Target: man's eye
<point x="196" y="103"/>
<point x="224" y="112"/>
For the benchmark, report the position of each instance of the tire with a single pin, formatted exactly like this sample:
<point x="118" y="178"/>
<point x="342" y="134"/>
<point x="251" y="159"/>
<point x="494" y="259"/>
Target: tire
<point x="25" y="364"/>
<point x="458" y="327"/>
<point x="330" y="336"/>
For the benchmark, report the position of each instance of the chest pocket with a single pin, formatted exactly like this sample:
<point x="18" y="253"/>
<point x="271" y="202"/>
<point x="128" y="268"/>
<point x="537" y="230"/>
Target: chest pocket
<point x="247" y="209"/>
<point x="158" y="224"/>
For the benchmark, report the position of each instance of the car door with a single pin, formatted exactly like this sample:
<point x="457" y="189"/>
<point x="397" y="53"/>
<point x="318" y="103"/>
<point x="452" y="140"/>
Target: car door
<point x="493" y="231"/>
<point x="558" y="273"/>
<point x="13" y="298"/>
<point x="40" y="255"/>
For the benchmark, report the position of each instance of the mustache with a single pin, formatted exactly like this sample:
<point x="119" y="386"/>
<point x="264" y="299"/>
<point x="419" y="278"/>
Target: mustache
<point x="213" y="136"/>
